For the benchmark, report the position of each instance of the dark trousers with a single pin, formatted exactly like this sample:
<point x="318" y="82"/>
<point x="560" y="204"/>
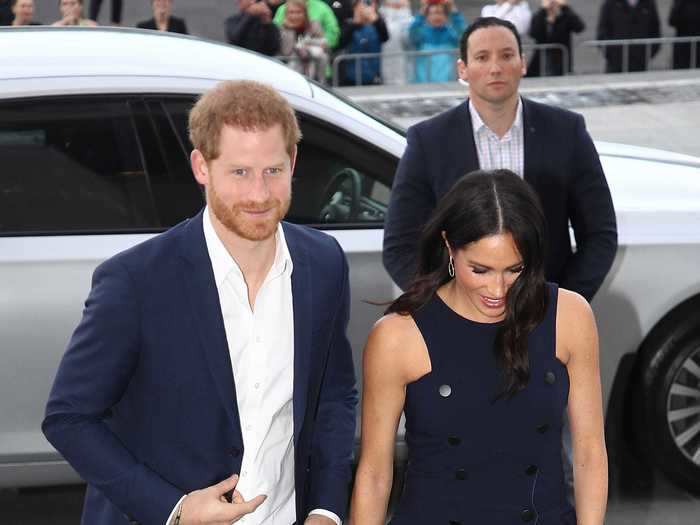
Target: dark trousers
<point x="116" y="10"/>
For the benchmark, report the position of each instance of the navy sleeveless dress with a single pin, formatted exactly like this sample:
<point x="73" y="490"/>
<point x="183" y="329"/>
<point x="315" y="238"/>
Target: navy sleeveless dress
<point x="474" y="460"/>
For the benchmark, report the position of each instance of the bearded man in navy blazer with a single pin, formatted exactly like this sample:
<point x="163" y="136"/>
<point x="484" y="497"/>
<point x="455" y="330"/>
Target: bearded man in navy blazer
<point x="210" y="379"/>
<point x="497" y="128"/>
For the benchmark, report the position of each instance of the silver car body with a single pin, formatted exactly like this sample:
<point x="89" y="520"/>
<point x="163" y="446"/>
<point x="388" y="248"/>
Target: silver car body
<point x="44" y="280"/>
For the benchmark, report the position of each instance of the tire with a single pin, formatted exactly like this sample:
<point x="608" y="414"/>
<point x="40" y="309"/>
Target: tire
<point x="669" y="419"/>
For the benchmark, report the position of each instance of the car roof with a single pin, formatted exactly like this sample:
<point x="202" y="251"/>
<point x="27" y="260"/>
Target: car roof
<point x="46" y="52"/>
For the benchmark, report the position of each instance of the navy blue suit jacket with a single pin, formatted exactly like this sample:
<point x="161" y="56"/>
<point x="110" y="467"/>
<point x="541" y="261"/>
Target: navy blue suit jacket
<point x="144" y="402"/>
<point x="561" y="164"/>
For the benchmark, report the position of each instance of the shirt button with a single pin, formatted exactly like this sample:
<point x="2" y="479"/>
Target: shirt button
<point x="258" y="339"/>
<point x="256" y="385"/>
<point x="248" y="427"/>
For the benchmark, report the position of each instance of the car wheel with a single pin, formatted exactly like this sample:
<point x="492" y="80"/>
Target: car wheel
<point x="670" y="389"/>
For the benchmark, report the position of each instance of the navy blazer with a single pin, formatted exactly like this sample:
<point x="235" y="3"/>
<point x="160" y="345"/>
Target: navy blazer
<point x="561" y="164"/>
<point x="144" y="402"/>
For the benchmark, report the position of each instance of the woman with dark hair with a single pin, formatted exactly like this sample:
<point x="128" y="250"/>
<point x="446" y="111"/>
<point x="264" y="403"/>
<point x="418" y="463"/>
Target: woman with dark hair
<point x="482" y="355"/>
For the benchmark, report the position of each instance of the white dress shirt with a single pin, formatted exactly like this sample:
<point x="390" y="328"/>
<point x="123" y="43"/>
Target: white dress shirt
<point x="494" y="152"/>
<point x="261" y="347"/>
<point x="518" y="14"/>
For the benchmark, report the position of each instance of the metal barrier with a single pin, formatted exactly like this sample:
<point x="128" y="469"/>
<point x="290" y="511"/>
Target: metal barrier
<point x="409" y="58"/>
<point x="648" y="43"/>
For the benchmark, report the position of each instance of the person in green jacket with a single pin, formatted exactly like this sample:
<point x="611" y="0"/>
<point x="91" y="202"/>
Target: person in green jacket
<point x="320" y="12"/>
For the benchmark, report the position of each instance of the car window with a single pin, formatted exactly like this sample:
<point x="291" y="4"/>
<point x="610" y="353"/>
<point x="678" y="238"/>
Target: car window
<point x="176" y="194"/>
<point x="76" y="165"/>
<point x="339" y="179"/>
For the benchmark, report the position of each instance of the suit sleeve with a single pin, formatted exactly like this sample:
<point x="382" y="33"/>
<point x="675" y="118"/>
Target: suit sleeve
<point x="592" y="217"/>
<point x="92" y="377"/>
<point x="411" y="203"/>
<point x="334" y="427"/>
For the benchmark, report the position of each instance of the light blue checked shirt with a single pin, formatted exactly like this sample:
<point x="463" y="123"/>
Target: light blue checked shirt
<point x="507" y="152"/>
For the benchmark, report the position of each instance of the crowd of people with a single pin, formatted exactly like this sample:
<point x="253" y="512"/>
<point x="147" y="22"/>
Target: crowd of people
<point x="396" y="43"/>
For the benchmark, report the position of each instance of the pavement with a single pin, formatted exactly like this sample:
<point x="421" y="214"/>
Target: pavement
<point x="653" y="109"/>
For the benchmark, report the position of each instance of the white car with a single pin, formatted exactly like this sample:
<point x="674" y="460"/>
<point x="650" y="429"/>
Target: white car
<point x="94" y="159"/>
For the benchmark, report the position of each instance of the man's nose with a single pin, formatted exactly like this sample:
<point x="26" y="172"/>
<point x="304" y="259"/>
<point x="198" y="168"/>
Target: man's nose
<point x="258" y="190"/>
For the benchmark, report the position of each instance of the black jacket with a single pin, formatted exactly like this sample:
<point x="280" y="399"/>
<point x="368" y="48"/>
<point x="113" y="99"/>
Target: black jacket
<point x="620" y="20"/>
<point x="565" y="24"/>
<point x="685" y="17"/>
<point x="250" y="32"/>
<point x="175" y="25"/>
<point x="562" y="166"/>
<point x="6" y="14"/>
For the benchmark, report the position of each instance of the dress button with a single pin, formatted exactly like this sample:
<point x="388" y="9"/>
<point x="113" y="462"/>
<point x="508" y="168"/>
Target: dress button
<point x="461" y="474"/>
<point x="454" y="440"/>
<point x="235" y="452"/>
<point x="445" y="390"/>
<point x="543" y="428"/>
<point x="550" y="378"/>
<point x="453" y="522"/>
<point x="527" y="515"/>
<point x="531" y="470"/>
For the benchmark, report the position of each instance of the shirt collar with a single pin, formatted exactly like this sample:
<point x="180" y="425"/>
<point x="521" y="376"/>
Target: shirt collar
<point x="478" y="124"/>
<point x="223" y="264"/>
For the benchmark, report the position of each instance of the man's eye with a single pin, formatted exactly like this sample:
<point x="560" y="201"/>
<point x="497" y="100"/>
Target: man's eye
<point x="240" y="172"/>
<point x="274" y="171"/>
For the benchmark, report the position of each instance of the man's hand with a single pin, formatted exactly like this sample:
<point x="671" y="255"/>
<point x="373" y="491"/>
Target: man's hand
<point x="209" y="506"/>
<point x="317" y="519"/>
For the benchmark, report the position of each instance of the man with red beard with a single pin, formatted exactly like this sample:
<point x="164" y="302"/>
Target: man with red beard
<point x="210" y="379"/>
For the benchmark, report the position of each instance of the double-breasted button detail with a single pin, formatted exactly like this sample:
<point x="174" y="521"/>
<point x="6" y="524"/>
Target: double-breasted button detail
<point x="527" y="515"/>
<point x="550" y="377"/>
<point x="543" y="428"/>
<point x="531" y="470"/>
<point x="461" y="474"/>
<point x="454" y="440"/>
<point x="445" y="390"/>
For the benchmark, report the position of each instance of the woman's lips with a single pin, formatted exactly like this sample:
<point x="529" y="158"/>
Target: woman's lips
<point x="489" y="302"/>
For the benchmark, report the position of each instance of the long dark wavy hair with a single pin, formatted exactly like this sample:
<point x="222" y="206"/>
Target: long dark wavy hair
<point x="480" y="204"/>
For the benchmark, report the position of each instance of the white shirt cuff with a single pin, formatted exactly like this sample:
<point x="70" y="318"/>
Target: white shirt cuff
<point x="171" y="518"/>
<point x="327" y="514"/>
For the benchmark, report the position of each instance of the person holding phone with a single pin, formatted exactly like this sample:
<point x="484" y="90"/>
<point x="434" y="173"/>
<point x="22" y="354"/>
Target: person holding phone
<point x="365" y="33"/>
<point x="438" y="26"/>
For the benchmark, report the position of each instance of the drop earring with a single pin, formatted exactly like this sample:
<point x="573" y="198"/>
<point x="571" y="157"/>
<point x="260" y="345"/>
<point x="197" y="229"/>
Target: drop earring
<point x="451" y="267"/>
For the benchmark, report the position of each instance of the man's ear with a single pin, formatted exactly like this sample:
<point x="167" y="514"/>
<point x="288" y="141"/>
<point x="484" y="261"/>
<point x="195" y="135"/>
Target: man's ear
<point x="293" y="160"/>
<point x="524" y="68"/>
<point x="462" y="70"/>
<point x="199" y="167"/>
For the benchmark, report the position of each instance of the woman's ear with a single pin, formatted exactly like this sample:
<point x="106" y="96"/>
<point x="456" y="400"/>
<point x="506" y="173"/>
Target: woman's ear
<point x="447" y="243"/>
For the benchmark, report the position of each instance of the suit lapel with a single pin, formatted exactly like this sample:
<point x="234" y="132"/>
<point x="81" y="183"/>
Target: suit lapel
<point x="465" y="156"/>
<point x="532" y="146"/>
<point x="198" y="278"/>
<point x="302" y="294"/>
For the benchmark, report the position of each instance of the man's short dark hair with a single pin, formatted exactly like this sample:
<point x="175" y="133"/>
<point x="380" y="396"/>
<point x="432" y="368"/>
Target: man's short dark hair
<point x="481" y="23"/>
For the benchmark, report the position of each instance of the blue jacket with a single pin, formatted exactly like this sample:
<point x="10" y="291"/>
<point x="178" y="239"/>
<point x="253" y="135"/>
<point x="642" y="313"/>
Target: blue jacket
<point x="439" y="67"/>
<point x="144" y="402"/>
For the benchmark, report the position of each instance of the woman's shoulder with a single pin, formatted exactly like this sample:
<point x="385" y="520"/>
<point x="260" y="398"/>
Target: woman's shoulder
<point x="575" y="319"/>
<point x="394" y="327"/>
<point x="395" y="344"/>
